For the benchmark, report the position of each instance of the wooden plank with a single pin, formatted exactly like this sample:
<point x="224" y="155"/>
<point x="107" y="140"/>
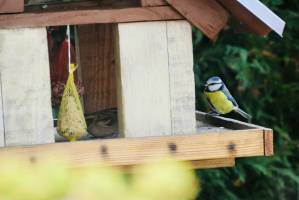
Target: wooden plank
<point x="78" y="5"/>
<point x="123" y="152"/>
<point x="195" y="164"/>
<point x="253" y="17"/>
<point x="181" y="77"/>
<point x="144" y="79"/>
<point x="225" y="122"/>
<point x="243" y="20"/>
<point x="268" y="139"/>
<point x="25" y="79"/>
<point x="76" y="17"/>
<point x="213" y="163"/>
<point x="11" y="6"/>
<point x="97" y="61"/>
<point x="162" y="90"/>
<point x="146" y="3"/>
<point x="2" y="129"/>
<point x="206" y="15"/>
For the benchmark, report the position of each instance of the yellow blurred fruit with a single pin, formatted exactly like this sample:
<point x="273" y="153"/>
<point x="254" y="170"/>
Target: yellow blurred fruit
<point x="99" y="183"/>
<point x="166" y="179"/>
<point x="11" y="177"/>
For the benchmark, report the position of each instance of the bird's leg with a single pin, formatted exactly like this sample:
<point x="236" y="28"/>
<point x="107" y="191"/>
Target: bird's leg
<point x="213" y="113"/>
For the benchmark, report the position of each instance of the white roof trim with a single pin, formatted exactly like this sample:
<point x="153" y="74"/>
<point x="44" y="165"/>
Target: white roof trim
<point x="264" y="14"/>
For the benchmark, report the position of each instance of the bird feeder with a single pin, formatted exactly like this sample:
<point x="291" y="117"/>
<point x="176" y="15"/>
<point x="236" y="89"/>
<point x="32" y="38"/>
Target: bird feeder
<point x="135" y="55"/>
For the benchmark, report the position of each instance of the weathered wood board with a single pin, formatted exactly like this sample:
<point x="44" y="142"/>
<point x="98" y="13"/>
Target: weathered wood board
<point x="153" y="3"/>
<point x="155" y="79"/>
<point x="97" y="62"/>
<point x="207" y="15"/>
<point x="91" y="16"/>
<point x="132" y="151"/>
<point x="181" y="77"/>
<point x="2" y="136"/>
<point x="25" y="83"/>
<point x="11" y="6"/>
<point x="144" y="79"/>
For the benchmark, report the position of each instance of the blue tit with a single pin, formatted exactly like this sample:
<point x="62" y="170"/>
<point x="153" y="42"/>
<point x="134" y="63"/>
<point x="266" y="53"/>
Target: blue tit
<point x="220" y="99"/>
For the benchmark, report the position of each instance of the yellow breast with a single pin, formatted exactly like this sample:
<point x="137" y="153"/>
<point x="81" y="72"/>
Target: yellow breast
<point x="220" y="102"/>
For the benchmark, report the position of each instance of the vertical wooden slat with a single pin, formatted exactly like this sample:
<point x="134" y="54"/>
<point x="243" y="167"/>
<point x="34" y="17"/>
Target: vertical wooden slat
<point x="25" y="78"/>
<point x="2" y="129"/>
<point x="181" y="75"/>
<point x="156" y="79"/>
<point x="96" y="46"/>
<point x="11" y="6"/>
<point x="144" y="79"/>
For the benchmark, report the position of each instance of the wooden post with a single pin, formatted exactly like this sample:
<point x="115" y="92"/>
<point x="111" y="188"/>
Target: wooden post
<point x="25" y="84"/>
<point x="2" y="137"/>
<point x="155" y="79"/>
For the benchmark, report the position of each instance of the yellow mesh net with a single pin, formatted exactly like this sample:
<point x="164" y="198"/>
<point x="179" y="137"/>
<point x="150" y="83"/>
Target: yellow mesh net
<point x="71" y="121"/>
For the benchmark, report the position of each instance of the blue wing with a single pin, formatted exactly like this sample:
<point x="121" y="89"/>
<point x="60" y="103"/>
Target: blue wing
<point x="229" y="96"/>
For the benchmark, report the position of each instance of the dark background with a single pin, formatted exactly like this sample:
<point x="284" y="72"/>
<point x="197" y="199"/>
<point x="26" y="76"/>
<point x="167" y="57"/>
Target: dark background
<point x="262" y="73"/>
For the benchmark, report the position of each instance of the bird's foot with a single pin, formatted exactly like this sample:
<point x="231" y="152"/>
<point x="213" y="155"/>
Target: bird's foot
<point x="213" y="114"/>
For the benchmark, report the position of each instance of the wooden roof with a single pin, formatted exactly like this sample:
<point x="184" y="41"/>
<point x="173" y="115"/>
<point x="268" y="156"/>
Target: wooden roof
<point x="244" y="15"/>
<point x="210" y="16"/>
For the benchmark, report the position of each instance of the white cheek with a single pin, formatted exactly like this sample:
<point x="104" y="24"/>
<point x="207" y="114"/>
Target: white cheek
<point x="214" y="87"/>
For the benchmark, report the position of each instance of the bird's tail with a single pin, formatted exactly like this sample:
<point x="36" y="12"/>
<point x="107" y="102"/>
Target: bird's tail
<point x="243" y="113"/>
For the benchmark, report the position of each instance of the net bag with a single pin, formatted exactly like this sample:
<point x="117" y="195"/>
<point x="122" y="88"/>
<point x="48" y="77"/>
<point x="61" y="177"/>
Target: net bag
<point x="71" y="121"/>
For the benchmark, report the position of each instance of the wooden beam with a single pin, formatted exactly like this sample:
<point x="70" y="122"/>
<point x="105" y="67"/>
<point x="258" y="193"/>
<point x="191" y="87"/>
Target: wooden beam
<point x="79" y="5"/>
<point x="243" y="20"/>
<point x="25" y="87"/>
<point x="11" y="6"/>
<point x="181" y="77"/>
<point x="144" y="89"/>
<point x="88" y="17"/>
<point x="230" y="144"/>
<point x="268" y="140"/>
<point x="213" y="163"/>
<point x="162" y="91"/>
<point x="207" y="15"/>
<point x="146" y="3"/>
<point x="196" y="164"/>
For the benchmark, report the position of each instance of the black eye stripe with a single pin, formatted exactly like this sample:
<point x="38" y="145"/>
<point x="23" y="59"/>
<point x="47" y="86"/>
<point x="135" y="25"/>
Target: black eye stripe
<point x="214" y="83"/>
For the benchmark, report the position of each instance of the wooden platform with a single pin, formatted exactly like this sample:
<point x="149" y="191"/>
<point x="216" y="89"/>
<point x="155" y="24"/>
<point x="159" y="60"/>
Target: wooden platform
<point x="217" y="143"/>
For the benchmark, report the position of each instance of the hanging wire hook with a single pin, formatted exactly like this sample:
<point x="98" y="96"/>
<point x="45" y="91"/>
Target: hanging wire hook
<point x="68" y="34"/>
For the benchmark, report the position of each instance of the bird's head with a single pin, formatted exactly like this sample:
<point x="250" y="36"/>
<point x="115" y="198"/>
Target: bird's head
<point x="213" y="84"/>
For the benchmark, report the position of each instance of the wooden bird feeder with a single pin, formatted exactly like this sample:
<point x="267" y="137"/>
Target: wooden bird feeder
<point x="135" y="55"/>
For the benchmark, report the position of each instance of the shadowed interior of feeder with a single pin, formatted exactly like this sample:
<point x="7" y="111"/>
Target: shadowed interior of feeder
<point x="92" y="49"/>
<point x="94" y="78"/>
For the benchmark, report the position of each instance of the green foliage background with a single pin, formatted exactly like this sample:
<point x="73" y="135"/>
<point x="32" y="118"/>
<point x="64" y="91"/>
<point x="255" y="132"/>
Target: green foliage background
<point x="263" y="75"/>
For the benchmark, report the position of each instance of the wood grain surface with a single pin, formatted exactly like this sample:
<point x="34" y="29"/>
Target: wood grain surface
<point x="122" y="152"/>
<point x="97" y="60"/>
<point x="207" y="15"/>
<point x="153" y="2"/>
<point x="11" y="6"/>
<point x="77" y="17"/>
